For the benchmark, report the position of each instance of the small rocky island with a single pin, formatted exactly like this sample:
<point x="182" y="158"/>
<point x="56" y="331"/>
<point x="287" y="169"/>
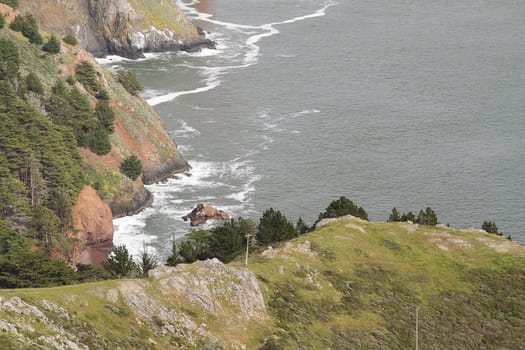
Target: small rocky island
<point x="203" y="212"/>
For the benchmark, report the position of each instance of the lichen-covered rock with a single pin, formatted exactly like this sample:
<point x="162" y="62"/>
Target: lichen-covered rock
<point x="211" y="286"/>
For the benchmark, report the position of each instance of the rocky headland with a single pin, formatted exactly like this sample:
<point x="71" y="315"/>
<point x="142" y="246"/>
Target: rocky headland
<point x="126" y="28"/>
<point x="138" y="131"/>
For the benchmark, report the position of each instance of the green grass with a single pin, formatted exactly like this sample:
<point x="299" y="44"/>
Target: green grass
<point x="370" y="283"/>
<point x="163" y="15"/>
<point x="358" y="288"/>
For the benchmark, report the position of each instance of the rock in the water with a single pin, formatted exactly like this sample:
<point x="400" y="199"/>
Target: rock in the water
<point x="204" y="212"/>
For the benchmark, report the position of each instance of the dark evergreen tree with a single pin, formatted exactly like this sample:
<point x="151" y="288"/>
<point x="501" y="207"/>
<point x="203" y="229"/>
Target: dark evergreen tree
<point x="100" y="143"/>
<point x="105" y="115"/>
<point x="195" y="247"/>
<point x="87" y="76"/>
<point x="408" y="217"/>
<point x="174" y="259"/>
<point x="274" y="227"/>
<point x="301" y="227"/>
<point x="45" y="223"/>
<point x="131" y="167"/>
<point x="229" y="239"/>
<point x="120" y="263"/>
<point x="146" y="262"/>
<point x="81" y="120"/>
<point x="395" y="216"/>
<point x="28" y="26"/>
<point x="490" y="227"/>
<point x="27" y="268"/>
<point x="90" y="273"/>
<point x="52" y="45"/>
<point x="342" y="207"/>
<point x="9" y="60"/>
<point x="130" y="82"/>
<point x="427" y="217"/>
<point x="2" y="21"/>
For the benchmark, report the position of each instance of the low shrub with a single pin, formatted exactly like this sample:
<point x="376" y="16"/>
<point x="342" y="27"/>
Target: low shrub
<point x="131" y="167"/>
<point x="52" y="45"/>
<point x="70" y="39"/>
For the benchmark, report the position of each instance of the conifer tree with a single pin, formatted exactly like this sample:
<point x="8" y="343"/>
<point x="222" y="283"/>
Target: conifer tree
<point x="52" y="45"/>
<point x="9" y="60"/>
<point x="274" y="227"/>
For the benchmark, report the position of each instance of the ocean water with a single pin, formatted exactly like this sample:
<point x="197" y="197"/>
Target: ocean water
<point x="390" y="103"/>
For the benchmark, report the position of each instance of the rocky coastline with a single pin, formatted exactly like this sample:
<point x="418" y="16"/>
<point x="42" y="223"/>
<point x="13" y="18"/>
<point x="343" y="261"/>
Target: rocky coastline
<point x="164" y="171"/>
<point x="119" y="27"/>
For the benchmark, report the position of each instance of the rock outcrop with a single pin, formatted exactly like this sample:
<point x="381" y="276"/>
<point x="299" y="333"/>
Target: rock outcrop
<point x="122" y="27"/>
<point x="203" y="212"/>
<point x="205" y="305"/>
<point x="208" y="285"/>
<point x="93" y="227"/>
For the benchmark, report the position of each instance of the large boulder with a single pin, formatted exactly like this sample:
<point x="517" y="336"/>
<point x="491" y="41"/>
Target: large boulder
<point x="203" y="212"/>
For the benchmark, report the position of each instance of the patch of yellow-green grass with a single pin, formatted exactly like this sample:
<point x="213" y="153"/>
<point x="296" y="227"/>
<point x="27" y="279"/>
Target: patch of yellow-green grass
<point x="371" y="278"/>
<point x="164" y="14"/>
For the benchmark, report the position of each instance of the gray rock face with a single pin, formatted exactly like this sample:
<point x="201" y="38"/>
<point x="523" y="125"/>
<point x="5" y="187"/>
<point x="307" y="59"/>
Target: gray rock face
<point x="119" y="27"/>
<point x="211" y="285"/>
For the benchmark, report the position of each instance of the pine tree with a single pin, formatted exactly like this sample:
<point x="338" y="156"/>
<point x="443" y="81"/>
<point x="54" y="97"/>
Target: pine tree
<point x="52" y="45"/>
<point x="105" y="115"/>
<point x="29" y="28"/>
<point x="342" y="207"/>
<point x="301" y="227"/>
<point x="131" y="167"/>
<point x="120" y="263"/>
<point x="146" y="262"/>
<point x="490" y="227"/>
<point x="128" y="79"/>
<point x="229" y="239"/>
<point x="100" y="141"/>
<point x="274" y="227"/>
<point x="394" y="216"/>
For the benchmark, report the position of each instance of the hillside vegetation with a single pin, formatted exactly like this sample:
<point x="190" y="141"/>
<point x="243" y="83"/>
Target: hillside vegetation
<point x="67" y="124"/>
<point x="350" y="284"/>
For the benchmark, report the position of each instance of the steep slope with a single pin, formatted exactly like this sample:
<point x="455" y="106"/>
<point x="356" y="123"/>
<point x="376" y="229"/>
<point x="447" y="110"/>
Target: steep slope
<point x="122" y="27"/>
<point x="349" y="285"/>
<point x="138" y="131"/>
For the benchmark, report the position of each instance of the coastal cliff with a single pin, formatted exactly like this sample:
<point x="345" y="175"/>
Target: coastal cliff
<point x="351" y="284"/>
<point x="137" y="130"/>
<point x="122" y="27"/>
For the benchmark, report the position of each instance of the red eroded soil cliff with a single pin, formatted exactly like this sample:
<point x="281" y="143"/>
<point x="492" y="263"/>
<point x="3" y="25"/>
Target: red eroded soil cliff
<point x="93" y="226"/>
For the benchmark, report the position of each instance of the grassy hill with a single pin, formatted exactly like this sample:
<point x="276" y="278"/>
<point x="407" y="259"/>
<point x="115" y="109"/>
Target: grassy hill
<point x="348" y="285"/>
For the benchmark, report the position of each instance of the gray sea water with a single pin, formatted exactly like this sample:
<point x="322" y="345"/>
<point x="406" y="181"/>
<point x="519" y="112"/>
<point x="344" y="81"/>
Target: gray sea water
<point x="390" y="103"/>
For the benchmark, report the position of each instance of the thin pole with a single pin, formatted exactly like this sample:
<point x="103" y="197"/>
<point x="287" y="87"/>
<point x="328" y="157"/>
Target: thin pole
<point x="247" y="245"/>
<point x="417" y="327"/>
